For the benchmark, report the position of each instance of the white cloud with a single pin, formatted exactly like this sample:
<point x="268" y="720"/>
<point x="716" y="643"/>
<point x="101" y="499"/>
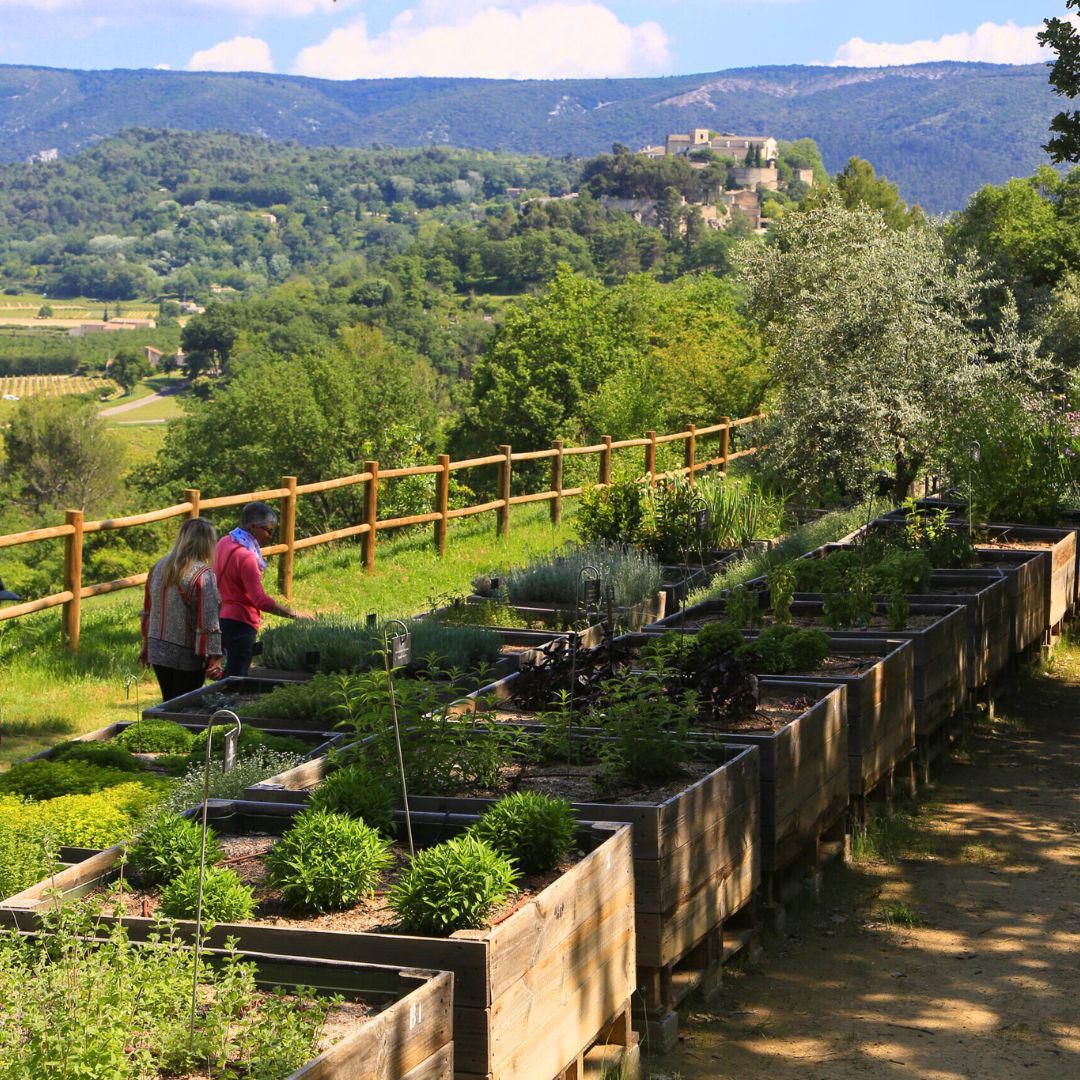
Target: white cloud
<point x="544" y="39"/>
<point x="267" y="9"/>
<point x="236" y="54"/>
<point x="995" y="43"/>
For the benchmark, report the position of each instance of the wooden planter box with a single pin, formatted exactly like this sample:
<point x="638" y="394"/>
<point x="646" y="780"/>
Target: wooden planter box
<point x="879" y="706"/>
<point x="520" y="638"/>
<point x="408" y="1035"/>
<point x="696" y="860"/>
<point x="319" y="742"/>
<point x="530" y="993"/>
<point x="632" y="618"/>
<point x="940" y="660"/>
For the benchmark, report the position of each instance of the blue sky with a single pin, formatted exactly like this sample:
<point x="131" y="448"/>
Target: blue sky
<point x="512" y="38"/>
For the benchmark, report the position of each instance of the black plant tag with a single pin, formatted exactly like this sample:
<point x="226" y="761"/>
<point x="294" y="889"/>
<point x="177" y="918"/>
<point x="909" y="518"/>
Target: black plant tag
<point x="400" y="650"/>
<point x="232" y="738"/>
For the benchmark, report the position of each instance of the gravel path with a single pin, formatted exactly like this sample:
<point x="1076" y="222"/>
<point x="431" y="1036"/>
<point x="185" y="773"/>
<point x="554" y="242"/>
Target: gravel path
<point x="959" y="956"/>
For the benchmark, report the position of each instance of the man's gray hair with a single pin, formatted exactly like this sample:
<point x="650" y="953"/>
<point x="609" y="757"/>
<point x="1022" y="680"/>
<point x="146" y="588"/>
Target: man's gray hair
<point x="258" y="514"/>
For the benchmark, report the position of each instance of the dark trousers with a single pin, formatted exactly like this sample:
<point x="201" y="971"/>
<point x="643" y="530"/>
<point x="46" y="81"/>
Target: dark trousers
<point x="174" y="681"/>
<point x="238" y="643"/>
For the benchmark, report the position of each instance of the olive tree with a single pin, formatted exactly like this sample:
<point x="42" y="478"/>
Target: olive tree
<point x="870" y="344"/>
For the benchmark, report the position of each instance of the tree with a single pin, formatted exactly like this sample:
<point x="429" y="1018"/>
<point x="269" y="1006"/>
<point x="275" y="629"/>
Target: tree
<point x="316" y="415"/>
<point x="669" y="213"/>
<point x="871" y="344"/>
<point x="61" y="454"/>
<point x="128" y="367"/>
<point x="45" y="311"/>
<point x="859" y="185"/>
<point x="1064" y="39"/>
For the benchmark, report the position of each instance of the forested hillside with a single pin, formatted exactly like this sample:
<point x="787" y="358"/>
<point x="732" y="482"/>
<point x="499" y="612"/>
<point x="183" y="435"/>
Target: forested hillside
<point x="940" y="130"/>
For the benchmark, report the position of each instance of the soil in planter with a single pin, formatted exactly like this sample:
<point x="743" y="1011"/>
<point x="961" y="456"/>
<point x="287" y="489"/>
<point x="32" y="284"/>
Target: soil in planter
<point x="1014" y="545"/>
<point x="836" y="664"/>
<point x="817" y="622"/>
<point x="246" y="855"/>
<point x="209" y="703"/>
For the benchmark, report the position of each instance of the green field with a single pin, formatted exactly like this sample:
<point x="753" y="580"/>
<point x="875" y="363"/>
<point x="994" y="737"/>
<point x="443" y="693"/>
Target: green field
<point x="46" y="692"/>
<point x="27" y="305"/>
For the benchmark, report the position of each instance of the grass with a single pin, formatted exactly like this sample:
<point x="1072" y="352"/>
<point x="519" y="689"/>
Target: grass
<point x="141" y="442"/>
<point x="895" y="913"/>
<point x="47" y="692"/>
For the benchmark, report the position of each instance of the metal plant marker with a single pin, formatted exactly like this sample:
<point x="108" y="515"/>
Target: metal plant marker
<point x="976" y="455"/>
<point x="129" y="682"/>
<point x="232" y="740"/>
<point x="397" y="652"/>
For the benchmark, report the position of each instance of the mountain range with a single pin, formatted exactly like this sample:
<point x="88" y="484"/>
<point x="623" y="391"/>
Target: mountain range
<point x="940" y="130"/>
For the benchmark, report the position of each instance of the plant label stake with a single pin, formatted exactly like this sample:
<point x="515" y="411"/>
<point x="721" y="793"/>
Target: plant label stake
<point x="976" y="455"/>
<point x="397" y="652"/>
<point x="129" y="682"/>
<point x="590" y="583"/>
<point x="232" y="739"/>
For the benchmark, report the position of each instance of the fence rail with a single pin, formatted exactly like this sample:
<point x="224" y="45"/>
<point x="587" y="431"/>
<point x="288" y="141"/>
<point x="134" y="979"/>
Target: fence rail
<point x="75" y="529"/>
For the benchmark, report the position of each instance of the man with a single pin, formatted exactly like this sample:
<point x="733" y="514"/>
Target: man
<point x="239" y="566"/>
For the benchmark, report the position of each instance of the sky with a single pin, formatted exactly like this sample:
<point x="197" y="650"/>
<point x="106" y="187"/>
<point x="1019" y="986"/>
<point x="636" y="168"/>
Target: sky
<point x="350" y="39"/>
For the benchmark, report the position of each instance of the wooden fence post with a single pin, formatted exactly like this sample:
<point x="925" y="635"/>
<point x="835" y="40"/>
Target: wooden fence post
<point x="557" y="482"/>
<point x="371" y="513"/>
<point x="691" y="452"/>
<point x="191" y="495"/>
<point x="725" y="441"/>
<point x="288" y="538"/>
<point x="73" y="556"/>
<point x="650" y="457"/>
<point x="605" y="460"/>
<point x="504" y="490"/>
<point x="442" y="502"/>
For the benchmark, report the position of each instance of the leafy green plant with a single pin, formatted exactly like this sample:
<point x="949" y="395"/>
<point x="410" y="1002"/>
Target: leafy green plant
<point x="780" y="581"/>
<point x="155" y="737"/>
<point x="670" y="529"/>
<point x="740" y="510"/>
<point x="225" y="897"/>
<point x="97" y="753"/>
<point x="27" y="852"/>
<point x="533" y="829"/>
<point x="98" y="820"/>
<point x="556" y="578"/>
<point x="903" y="572"/>
<point x="45" y="779"/>
<point x="715" y="640"/>
<point x="806" y="649"/>
<point x="84" y="1003"/>
<point x="315" y="701"/>
<point x="899" y="611"/>
<point x="612" y="515"/>
<point x="360" y="792"/>
<point x="768" y="653"/>
<point x="250" y="739"/>
<point x="453" y="886"/>
<point x="168" y="846"/>
<point x="928" y="529"/>
<point x="327" y="861"/>
<point x="742" y="608"/>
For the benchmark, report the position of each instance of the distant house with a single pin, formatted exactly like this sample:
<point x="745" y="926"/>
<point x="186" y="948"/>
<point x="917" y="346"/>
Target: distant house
<point x="727" y="144"/>
<point x="153" y="356"/>
<point x="806" y="176"/>
<point x="189" y="307"/>
<point x="515" y="192"/>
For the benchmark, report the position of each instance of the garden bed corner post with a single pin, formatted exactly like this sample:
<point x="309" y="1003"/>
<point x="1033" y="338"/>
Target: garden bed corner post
<point x="371" y="513"/>
<point x="288" y="537"/>
<point x="73" y="560"/>
<point x="504" y="490"/>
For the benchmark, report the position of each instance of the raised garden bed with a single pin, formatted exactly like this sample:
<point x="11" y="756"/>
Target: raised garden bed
<point x="532" y="991"/>
<point x="938" y="634"/>
<point x="527" y="628"/>
<point x="629" y="618"/>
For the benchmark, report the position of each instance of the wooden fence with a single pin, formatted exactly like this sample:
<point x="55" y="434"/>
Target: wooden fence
<point x="75" y="529"/>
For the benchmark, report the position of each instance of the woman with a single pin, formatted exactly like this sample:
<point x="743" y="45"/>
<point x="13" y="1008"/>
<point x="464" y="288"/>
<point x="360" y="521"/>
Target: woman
<point x="181" y="632"/>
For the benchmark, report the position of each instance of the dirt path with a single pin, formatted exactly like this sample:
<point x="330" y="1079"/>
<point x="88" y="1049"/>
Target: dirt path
<point x="140" y="403"/>
<point x="955" y="956"/>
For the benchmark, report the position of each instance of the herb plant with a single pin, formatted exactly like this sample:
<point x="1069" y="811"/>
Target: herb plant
<point x="327" y="862"/>
<point x="780" y="581"/>
<point x="97" y="752"/>
<point x="453" y="886"/>
<point x="259" y="765"/>
<point x="358" y="791"/>
<point x="533" y="829"/>
<point x="45" y="779"/>
<point x="742" y="609"/>
<point x="225" y="897"/>
<point x="155" y="737"/>
<point x="168" y="846"/>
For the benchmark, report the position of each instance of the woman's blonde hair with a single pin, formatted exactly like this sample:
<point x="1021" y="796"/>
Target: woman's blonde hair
<point x="195" y="543"/>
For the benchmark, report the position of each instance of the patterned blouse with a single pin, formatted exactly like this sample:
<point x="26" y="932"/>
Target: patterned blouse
<point x="180" y="627"/>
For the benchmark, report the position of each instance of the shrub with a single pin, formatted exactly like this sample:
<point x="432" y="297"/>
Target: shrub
<point x="807" y="649"/>
<point x="903" y="572"/>
<point x="26" y="849"/>
<point x="259" y="765"/>
<point x="534" y="830"/>
<point x="99" y="820"/>
<point x="452" y="886"/>
<point x="98" y="753"/>
<point x="360" y="792"/>
<point x="315" y="701"/>
<point x="780" y="581"/>
<point x="327" y="862"/>
<point x="169" y="846"/>
<point x="742" y="608"/>
<point x="338" y="643"/>
<point x="45" y="779"/>
<point x="715" y="640"/>
<point x="155" y="737"/>
<point x="556" y="578"/>
<point x="613" y="514"/>
<point x="768" y="653"/>
<point x="225" y="897"/>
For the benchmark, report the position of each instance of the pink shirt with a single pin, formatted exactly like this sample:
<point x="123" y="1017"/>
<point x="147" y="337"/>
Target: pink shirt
<point x="240" y="583"/>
